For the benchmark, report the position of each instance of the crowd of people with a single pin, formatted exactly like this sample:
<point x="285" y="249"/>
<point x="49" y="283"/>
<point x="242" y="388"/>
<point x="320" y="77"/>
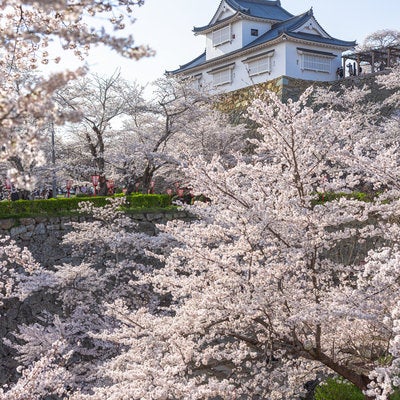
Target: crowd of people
<point x="44" y="193"/>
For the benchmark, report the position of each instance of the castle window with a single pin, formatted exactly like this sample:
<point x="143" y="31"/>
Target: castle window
<point x="221" y="36"/>
<point x="318" y="61"/>
<point x="260" y="63"/>
<point x="222" y="75"/>
<point x="259" y="66"/>
<point x="254" y="32"/>
<point x="197" y="81"/>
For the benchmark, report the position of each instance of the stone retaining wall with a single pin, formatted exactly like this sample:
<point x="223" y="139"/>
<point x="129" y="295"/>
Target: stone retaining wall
<point x="236" y="103"/>
<point x="43" y="235"/>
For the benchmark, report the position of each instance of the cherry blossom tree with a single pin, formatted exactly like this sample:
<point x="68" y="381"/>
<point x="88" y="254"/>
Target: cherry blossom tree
<point x="102" y="104"/>
<point x="271" y="286"/>
<point x="136" y="141"/>
<point x="28" y="30"/>
<point x="56" y="354"/>
<point x="174" y="106"/>
<point x="211" y="134"/>
<point x="266" y="289"/>
<point x="381" y="39"/>
<point x="162" y="133"/>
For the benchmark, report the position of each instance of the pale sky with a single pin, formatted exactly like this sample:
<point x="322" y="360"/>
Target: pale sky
<point x="166" y="25"/>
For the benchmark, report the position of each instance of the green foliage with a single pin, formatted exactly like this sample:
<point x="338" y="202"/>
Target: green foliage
<point x="148" y="201"/>
<point x="395" y="395"/>
<point x="65" y="206"/>
<point x="330" y="196"/>
<point x="341" y="389"/>
<point x="337" y="389"/>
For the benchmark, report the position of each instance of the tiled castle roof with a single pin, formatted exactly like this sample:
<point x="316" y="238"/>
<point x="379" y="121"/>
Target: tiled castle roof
<point x="279" y="29"/>
<point x="269" y="10"/>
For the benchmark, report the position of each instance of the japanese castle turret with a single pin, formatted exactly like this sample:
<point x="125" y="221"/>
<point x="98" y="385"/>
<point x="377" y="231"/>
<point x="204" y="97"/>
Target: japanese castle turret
<point x="254" y="41"/>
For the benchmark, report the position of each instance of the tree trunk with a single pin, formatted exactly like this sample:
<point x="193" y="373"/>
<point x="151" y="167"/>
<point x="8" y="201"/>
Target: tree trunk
<point x="310" y="387"/>
<point x="147" y="178"/>
<point x="359" y="380"/>
<point x="103" y="190"/>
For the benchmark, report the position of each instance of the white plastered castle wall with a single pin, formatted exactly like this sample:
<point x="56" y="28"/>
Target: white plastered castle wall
<point x="240" y="36"/>
<point x="294" y="62"/>
<point x="240" y="73"/>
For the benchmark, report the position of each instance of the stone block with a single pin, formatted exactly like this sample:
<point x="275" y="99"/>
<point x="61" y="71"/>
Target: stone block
<point x="26" y="236"/>
<point x="7" y="224"/>
<point x="65" y="225"/>
<point x="18" y="230"/>
<point x="40" y="220"/>
<point x="53" y="227"/>
<point x="27" y="221"/>
<point x="40" y="229"/>
<point x="155" y="217"/>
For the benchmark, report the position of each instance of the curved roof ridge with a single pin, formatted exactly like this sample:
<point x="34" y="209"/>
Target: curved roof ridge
<point x="323" y="30"/>
<point x="196" y="61"/>
<point x="253" y="6"/>
<point x="296" y="20"/>
<point x="287" y="27"/>
<point x="264" y="9"/>
<point x="237" y="6"/>
<point x="321" y="39"/>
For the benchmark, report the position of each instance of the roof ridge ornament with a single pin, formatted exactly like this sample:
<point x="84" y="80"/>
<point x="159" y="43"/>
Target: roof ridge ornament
<point x="239" y="7"/>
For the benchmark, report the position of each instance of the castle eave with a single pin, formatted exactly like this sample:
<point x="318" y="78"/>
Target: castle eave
<point x="215" y="62"/>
